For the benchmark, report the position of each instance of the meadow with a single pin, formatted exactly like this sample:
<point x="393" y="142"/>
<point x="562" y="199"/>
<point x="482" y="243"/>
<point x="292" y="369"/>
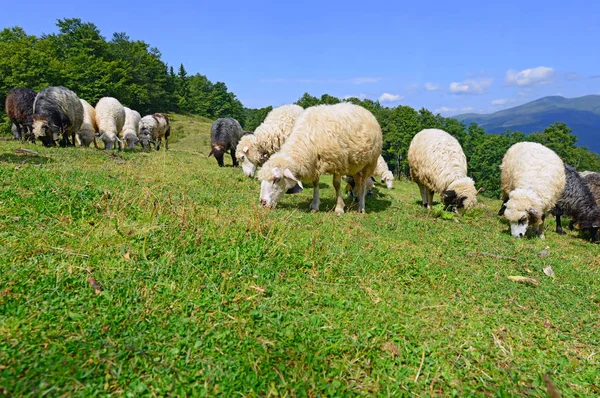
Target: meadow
<point x="158" y="273"/>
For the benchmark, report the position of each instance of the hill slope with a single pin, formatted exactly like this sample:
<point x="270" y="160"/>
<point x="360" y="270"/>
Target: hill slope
<point x="204" y="293"/>
<point x="581" y="114"/>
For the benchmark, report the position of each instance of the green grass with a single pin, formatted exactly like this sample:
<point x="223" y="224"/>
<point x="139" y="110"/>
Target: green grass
<point x="205" y="293"/>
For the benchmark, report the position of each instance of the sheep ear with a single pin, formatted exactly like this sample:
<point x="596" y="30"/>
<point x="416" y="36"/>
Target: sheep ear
<point x="533" y="212"/>
<point x="212" y="152"/>
<point x="295" y="189"/>
<point x="287" y="173"/>
<point x="276" y="174"/>
<point x="245" y="150"/>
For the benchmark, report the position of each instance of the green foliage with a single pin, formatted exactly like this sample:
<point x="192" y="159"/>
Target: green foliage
<point x="79" y="58"/>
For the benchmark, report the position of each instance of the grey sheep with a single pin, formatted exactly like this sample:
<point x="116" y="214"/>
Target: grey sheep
<point x="224" y="136"/>
<point x="578" y="202"/>
<point x="57" y="110"/>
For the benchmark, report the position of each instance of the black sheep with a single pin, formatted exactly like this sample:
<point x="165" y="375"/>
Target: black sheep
<point x="19" y="109"/>
<point x="578" y="202"/>
<point x="225" y="134"/>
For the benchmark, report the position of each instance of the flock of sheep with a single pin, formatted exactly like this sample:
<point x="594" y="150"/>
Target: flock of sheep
<point x="295" y="145"/>
<point x="57" y="113"/>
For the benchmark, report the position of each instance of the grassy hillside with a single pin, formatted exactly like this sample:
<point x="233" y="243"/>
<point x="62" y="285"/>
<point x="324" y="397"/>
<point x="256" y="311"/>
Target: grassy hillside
<point x="158" y="273"/>
<point x="581" y="114"/>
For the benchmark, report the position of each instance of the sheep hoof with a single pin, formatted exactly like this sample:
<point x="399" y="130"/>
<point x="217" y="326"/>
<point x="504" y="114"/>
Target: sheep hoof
<point x="339" y="210"/>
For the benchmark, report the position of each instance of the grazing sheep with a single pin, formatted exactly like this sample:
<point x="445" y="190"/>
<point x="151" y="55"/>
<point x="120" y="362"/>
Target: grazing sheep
<point x="110" y="117"/>
<point x="438" y="164"/>
<point x="57" y="110"/>
<point x="578" y="202"/>
<point x="382" y="171"/>
<point x="131" y="128"/>
<point x="341" y="139"/>
<point x="225" y="133"/>
<point x="19" y="109"/>
<point x="268" y="138"/>
<point x="87" y="133"/>
<point x="152" y="129"/>
<point x="532" y="180"/>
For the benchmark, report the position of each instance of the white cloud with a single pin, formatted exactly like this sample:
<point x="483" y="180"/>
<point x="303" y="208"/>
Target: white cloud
<point x="471" y="86"/>
<point x="387" y="97"/>
<point x="499" y="102"/>
<point x="529" y="77"/>
<point x="353" y="80"/>
<point x="467" y="109"/>
<point x="431" y="86"/>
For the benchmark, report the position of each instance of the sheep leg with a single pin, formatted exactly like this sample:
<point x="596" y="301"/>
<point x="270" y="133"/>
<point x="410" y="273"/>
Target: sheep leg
<point x="233" y="158"/>
<point x="429" y="198"/>
<point x="571" y="225"/>
<point x="540" y="228"/>
<point x="558" y="213"/>
<point x="337" y="184"/>
<point x="166" y="143"/>
<point x="314" y="206"/>
<point x="159" y="142"/>
<point x="594" y="232"/>
<point x="423" y="194"/>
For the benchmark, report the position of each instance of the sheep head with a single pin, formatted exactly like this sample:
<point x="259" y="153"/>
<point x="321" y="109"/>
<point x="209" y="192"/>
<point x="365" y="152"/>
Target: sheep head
<point x="275" y="184"/>
<point x="218" y="150"/>
<point x="523" y="210"/>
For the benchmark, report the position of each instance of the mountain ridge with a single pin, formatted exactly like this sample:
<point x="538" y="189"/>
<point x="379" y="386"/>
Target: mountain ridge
<point x="581" y="114"/>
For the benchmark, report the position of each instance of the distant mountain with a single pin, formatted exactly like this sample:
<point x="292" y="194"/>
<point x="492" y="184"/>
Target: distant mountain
<point x="581" y="114"/>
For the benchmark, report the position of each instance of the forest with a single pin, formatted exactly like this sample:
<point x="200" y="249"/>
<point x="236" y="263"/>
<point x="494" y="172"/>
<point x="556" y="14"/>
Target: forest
<point x="80" y="58"/>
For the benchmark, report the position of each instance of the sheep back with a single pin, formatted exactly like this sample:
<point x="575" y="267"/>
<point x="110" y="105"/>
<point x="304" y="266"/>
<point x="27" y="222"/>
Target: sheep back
<point x="577" y="201"/>
<point x="593" y="182"/>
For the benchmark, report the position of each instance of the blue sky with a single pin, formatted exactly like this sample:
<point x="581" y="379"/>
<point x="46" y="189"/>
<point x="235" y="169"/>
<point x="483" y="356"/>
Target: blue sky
<point x="449" y="57"/>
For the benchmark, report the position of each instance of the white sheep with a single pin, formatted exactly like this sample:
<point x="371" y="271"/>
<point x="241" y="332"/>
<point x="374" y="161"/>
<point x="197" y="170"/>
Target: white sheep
<point x="110" y="117"/>
<point x="131" y="128"/>
<point x="383" y="172"/>
<point x="532" y="180"/>
<point x="326" y="139"/>
<point x="152" y="129"/>
<point x="254" y="150"/>
<point x="88" y="130"/>
<point x="438" y="164"/>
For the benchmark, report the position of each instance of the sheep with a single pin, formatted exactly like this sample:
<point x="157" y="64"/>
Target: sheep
<point x="225" y="133"/>
<point x="585" y="173"/>
<point x="341" y="139"/>
<point x="57" y="110"/>
<point x="438" y="164"/>
<point x="19" y="109"/>
<point x="153" y="128"/>
<point x="268" y="138"/>
<point x="87" y="132"/>
<point x="130" y="130"/>
<point x="110" y="117"/>
<point x="532" y="180"/>
<point x="578" y="202"/>
<point x="382" y="171"/>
